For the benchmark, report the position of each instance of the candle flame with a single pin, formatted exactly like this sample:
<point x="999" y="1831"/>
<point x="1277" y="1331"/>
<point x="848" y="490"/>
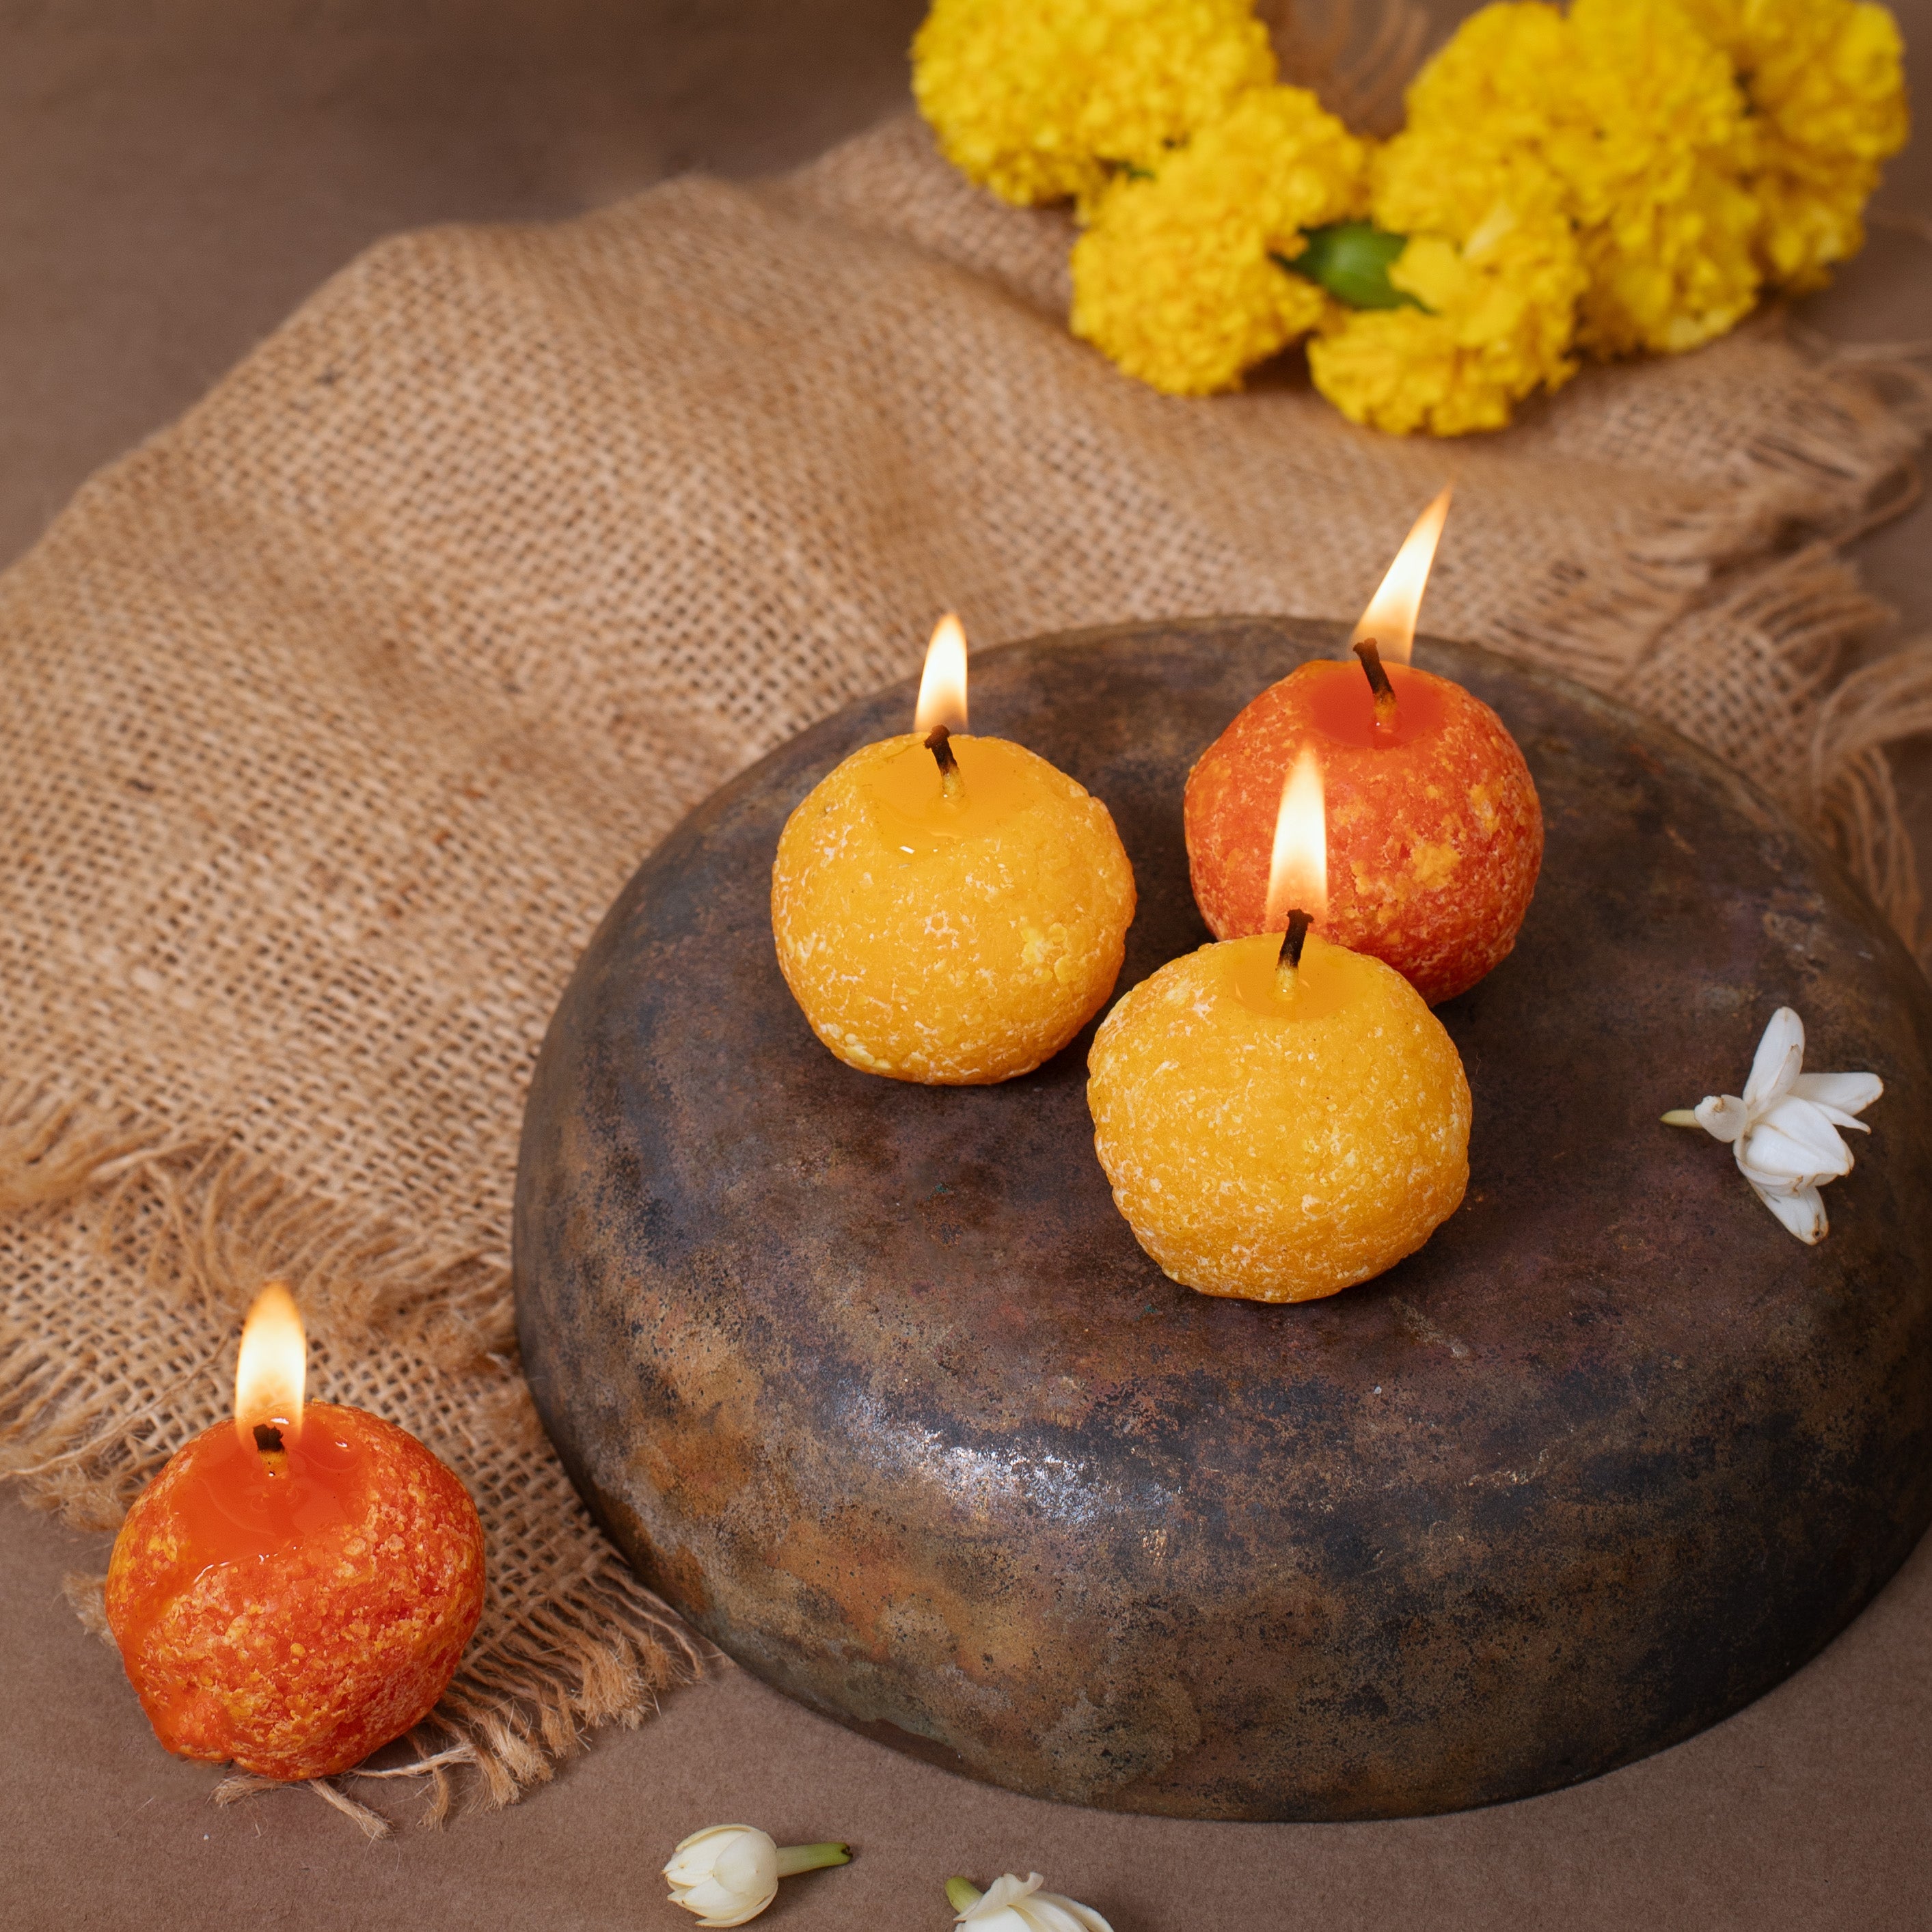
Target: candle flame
<point x="1390" y="617"/>
<point x="942" y="686"/>
<point x="274" y="1364"/>
<point x="1298" y="873"/>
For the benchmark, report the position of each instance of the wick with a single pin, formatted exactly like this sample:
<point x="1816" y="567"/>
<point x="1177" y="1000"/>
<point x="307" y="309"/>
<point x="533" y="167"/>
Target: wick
<point x="1288" y="962"/>
<point x="939" y="743"/>
<point x="1370" y="653"/>
<point x="268" y="1437"/>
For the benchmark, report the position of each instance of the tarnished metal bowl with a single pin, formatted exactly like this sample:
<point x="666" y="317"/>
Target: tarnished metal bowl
<point x="872" y="1382"/>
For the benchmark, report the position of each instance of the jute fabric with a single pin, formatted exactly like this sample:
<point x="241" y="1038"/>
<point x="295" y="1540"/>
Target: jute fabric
<point x="335" y="716"/>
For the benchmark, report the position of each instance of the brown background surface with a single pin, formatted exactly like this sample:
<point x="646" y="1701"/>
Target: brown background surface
<point x="174" y="177"/>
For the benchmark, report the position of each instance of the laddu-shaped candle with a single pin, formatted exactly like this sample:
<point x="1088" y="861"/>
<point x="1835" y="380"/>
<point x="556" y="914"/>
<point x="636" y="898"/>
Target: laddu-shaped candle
<point x="949" y="909"/>
<point x="296" y="1587"/>
<point x="1435" y="835"/>
<point x="1280" y="1118"/>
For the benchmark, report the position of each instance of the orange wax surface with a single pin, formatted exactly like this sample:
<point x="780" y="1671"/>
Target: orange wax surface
<point x="1279" y="1144"/>
<point x="953" y="937"/>
<point x="1434" y="833"/>
<point x="294" y="1612"/>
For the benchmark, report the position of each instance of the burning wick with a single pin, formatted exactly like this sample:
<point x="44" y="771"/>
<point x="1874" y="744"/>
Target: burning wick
<point x="1386" y="715"/>
<point x="1288" y="962"/>
<point x="271" y="1372"/>
<point x="1298" y="867"/>
<point x="1390" y="618"/>
<point x="939" y="743"/>
<point x="941" y="709"/>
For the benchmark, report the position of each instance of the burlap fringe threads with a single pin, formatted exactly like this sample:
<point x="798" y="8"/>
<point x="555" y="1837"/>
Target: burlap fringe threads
<point x="1853" y="793"/>
<point x="200" y="1227"/>
<point x="1753" y="668"/>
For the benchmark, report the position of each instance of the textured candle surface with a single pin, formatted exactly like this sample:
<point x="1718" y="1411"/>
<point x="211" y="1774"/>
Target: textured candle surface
<point x="1279" y="1147"/>
<point x="957" y="939"/>
<point x="293" y="1613"/>
<point x="1434" y="833"/>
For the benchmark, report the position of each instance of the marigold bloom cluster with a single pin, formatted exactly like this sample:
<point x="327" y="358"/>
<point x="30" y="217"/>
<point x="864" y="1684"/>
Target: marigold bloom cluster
<point x="1826" y="83"/>
<point x="1179" y="279"/>
<point x="1638" y="117"/>
<point x="1493" y="263"/>
<point x="1039" y="99"/>
<point x="1627" y="177"/>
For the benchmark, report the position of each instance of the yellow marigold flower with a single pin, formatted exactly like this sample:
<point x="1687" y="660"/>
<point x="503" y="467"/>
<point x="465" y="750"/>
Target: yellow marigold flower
<point x="1640" y="118"/>
<point x="1667" y="273"/>
<point x="1826" y="79"/>
<point x="1174" y="279"/>
<point x="1493" y="75"/>
<point x="1035" y="98"/>
<point x="1667" y="229"/>
<point x="1493" y="260"/>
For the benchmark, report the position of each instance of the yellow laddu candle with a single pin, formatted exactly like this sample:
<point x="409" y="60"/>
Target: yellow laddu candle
<point x="950" y="909"/>
<point x="1280" y="1117"/>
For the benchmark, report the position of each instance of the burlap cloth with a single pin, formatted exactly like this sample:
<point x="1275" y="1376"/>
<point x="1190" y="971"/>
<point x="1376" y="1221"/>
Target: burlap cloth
<point x="334" y="716"/>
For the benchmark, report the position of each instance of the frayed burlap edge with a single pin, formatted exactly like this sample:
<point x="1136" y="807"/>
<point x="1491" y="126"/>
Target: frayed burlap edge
<point x="1810" y="734"/>
<point x="1852" y="793"/>
<point x="1849" y="790"/>
<point x="204" y="1225"/>
<point x="604" y="1653"/>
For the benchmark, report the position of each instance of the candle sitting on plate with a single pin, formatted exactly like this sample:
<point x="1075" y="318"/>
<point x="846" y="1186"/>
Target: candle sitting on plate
<point x="1435" y="835"/>
<point x="1280" y="1117"/>
<point x="950" y="909"/>
<point x="296" y="1587"/>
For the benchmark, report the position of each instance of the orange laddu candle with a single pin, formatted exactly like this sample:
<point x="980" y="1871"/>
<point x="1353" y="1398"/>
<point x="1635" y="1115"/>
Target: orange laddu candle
<point x="296" y="1587"/>
<point x="1435" y="831"/>
<point x="948" y="909"/>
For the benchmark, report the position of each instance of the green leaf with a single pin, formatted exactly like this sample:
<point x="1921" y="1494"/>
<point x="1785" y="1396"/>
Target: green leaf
<point x="1351" y="260"/>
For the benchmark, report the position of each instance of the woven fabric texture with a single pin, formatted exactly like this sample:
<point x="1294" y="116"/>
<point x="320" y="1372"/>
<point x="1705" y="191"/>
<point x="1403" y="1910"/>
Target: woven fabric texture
<point x="336" y="714"/>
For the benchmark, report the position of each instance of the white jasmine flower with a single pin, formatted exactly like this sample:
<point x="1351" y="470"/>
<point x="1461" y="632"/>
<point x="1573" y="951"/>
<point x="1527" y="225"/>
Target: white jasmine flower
<point x="1784" y="1131"/>
<point x="1010" y="1905"/>
<point x="731" y="1873"/>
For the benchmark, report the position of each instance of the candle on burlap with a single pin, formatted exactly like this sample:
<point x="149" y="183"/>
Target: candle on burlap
<point x="296" y="1587"/>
